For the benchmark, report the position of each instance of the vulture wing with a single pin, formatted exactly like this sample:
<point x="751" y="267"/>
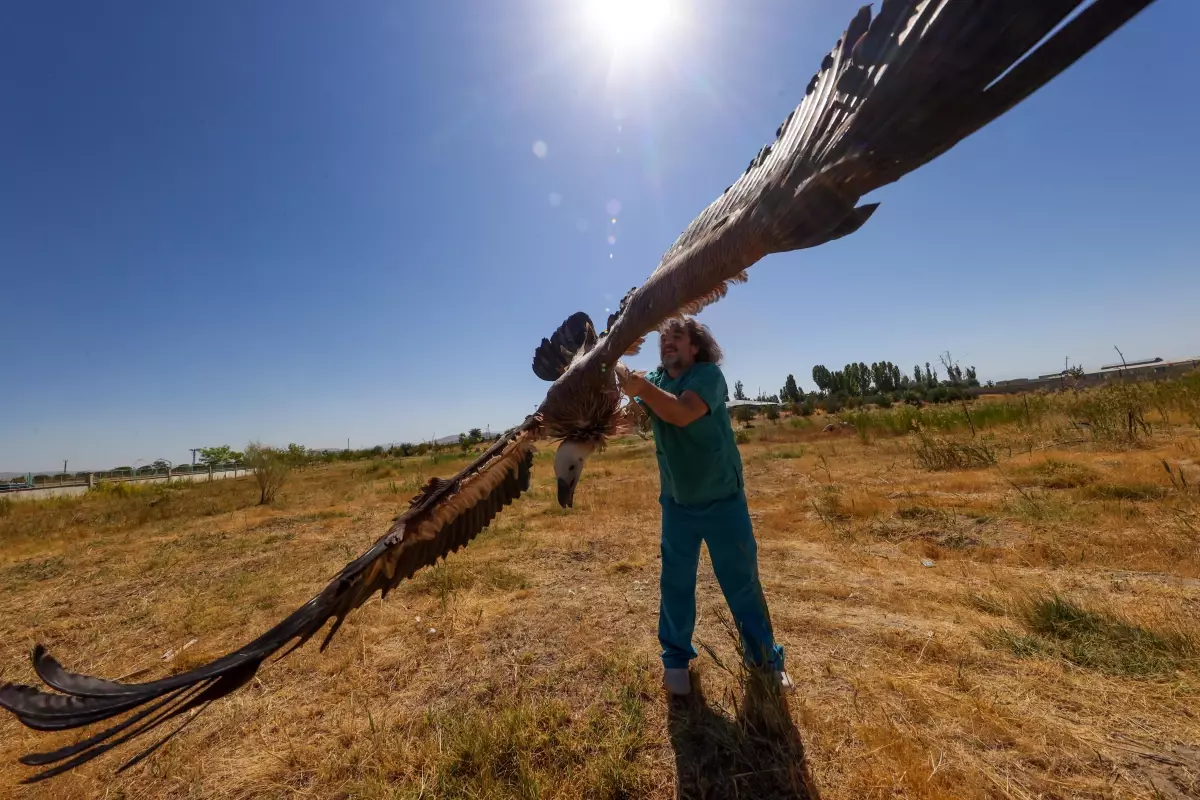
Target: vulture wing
<point x="895" y="92"/>
<point x="554" y="355"/>
<point x="445" y="516"/>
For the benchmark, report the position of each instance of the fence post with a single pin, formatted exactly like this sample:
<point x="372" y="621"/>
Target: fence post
<point x="91" y="480"/>
<point x="210" y="469"/>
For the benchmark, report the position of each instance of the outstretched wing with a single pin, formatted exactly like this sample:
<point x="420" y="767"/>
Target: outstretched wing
<point x="445" y="516"/>
<point x="893" y="94"/>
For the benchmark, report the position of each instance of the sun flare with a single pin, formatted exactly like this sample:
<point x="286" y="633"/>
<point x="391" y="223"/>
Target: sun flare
<point x="630" y="23"/>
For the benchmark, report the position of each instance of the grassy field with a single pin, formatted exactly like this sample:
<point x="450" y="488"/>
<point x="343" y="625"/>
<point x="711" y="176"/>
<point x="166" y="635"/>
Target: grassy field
<point x="1010" y="614"/>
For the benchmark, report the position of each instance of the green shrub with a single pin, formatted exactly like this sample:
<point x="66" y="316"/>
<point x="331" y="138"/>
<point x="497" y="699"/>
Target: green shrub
<point x="270" y="467"/>
<point x="1093" y="639"/>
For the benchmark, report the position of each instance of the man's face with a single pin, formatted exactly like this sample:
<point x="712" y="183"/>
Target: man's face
<point x="675" y="348"/>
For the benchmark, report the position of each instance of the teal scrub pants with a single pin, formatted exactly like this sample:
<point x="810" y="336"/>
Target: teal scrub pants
<point x="724" y="525"/>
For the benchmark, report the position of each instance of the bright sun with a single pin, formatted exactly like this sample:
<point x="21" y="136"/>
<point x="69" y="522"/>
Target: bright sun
<point x="630" y="23"/>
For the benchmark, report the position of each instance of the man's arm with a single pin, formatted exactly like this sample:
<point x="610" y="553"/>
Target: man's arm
<point x="681" y="411"/>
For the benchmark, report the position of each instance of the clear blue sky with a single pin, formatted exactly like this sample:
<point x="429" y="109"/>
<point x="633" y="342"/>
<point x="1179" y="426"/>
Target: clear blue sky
<point x="307" y="221"/>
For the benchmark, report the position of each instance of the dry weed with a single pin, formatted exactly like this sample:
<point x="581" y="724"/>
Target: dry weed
<point x="1047" y="650"/>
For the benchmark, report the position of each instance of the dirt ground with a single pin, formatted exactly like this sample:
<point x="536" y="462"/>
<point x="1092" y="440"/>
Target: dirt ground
<point x="1025" y="629"/>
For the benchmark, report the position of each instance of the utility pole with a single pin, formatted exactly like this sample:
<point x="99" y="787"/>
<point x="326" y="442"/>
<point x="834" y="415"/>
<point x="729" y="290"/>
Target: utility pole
<point x="193" y="449"/>
<point x="64" y="466"/>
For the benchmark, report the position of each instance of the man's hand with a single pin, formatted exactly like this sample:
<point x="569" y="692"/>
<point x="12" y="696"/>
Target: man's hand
<point x="681" y="411"/>
<point x="632" y="383"/>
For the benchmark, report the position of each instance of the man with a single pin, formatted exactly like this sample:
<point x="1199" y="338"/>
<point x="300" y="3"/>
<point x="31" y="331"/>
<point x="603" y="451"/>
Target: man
<point x="703" y="500"/>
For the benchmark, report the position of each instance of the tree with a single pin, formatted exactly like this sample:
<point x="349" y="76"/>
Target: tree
<point x="880" y="376"/>
<point x="955" y="372"/>
<point x="270" y="467"/>
<point x="212" y="456"/>
<point x="791" y="392"/>
<point x="296" y="454"/>
<point x="823" y="378"/>
<point x="857" y="379"/>
<point x="475" y="434"/>
<point x="739" y="393"/>
<point x="744" y="414"/>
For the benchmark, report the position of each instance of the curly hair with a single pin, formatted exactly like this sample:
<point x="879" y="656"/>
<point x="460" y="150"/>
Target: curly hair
<point x="699" y="335"/>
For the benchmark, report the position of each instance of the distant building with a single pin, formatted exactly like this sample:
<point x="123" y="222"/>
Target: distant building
<point x="1127" y="364"/>
<point x="1145" y="369"/>
<point x="752" y="403"/>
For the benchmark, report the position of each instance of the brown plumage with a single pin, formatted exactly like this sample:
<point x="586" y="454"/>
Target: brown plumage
<point x="894" y="93"/>
<point x="444" y="517"/>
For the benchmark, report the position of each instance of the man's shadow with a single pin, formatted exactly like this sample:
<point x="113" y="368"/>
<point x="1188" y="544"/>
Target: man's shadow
<point x="755" y="752"/>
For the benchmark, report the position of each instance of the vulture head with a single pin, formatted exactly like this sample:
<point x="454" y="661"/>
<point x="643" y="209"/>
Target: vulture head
<point x="568" y="467"/>
<point x="583" y="407"/>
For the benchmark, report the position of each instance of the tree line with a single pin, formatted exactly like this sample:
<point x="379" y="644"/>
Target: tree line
<point x="299" y="455"/>
<point x="884" y="376"/>
<point x="881" y="383"/>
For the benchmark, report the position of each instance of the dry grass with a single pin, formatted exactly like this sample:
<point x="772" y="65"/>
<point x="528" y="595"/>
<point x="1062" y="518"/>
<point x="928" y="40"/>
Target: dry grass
<point x="1050" y="651"/>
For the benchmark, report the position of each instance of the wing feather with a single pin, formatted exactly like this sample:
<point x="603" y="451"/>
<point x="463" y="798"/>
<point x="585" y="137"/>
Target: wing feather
<point x="895" y="92"/>
<point x="444" y="517"/>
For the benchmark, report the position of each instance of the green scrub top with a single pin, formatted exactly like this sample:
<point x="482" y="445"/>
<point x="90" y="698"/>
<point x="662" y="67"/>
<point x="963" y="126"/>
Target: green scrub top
<point x="700" y="462"/>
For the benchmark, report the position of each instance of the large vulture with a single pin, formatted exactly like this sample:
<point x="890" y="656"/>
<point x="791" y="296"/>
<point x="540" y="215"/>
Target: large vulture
<point x="895" y="92"/>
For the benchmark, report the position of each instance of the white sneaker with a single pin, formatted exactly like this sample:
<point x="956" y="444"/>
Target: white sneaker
<point x="677" y="681"/>
<point x="785" y="681"/>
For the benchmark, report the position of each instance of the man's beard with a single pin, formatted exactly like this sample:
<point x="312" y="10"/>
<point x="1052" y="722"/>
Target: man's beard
<point x="670" y="359"/>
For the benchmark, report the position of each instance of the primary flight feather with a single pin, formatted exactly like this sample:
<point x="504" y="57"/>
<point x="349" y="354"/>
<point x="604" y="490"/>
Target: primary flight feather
<point x="897" y="90"/>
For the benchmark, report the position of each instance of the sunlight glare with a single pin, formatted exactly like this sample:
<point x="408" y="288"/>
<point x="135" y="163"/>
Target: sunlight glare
<point x="630" y="23"/>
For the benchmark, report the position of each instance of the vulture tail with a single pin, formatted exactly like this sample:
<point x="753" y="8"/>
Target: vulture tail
<point x="575" y="336"/>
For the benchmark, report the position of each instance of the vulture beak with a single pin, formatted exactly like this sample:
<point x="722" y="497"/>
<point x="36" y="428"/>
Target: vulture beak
<point x="566" y="493"/>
